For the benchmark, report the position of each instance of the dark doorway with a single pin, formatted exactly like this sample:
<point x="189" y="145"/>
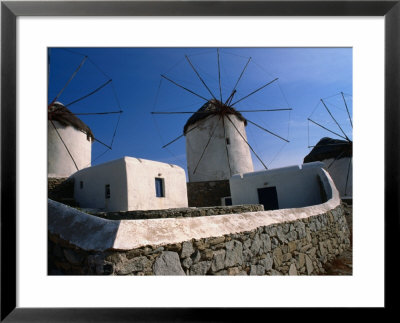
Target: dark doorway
<point x="268" y="197"/>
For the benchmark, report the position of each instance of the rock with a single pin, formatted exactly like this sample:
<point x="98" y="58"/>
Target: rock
<point x="187" y="262"/>
<point x="275" y="272"/>
<point x="247" y="255"/>
<point x="322" y="249"/>
<point x="292" y="246"/>
<point x="234" y="271"/>
<point x="277" y="256"/>
<point x="168" y="264"/>
<point x="187" y="249"/>
<point x="286" y="257"/>
<point x="73" y="257"/>
<point x="266" y="240"/>
<point x="215" y="241"/>
<point x="267" y="262"/>
<point x="301" y="260"/>
<point x="257" y="270"/>
<point x="291" y="235"/>
<point x="234" y="253"/>
<point x="174" y="247"/>
<point x="292" y="270"/>
<point x="196" y="257"/>
<point x="309" y="265"/>
<point x="256" y="245"/>
<point x="281" y="236"/>
<point x="218" y="262"/>
<point x="200" y="268"/>
<point x="207" y="254"/>
<point x="133" y="265"/>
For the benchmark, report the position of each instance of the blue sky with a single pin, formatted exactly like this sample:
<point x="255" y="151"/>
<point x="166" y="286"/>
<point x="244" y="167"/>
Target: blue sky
<point x="305" y="76"/>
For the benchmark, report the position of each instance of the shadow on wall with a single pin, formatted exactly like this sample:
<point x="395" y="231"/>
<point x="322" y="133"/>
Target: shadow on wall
<point x="281" y="188"/>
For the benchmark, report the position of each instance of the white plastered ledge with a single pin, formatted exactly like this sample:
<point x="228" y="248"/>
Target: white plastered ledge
<point x="92" y="233"/>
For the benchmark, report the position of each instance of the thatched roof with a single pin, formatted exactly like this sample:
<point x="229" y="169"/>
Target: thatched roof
<point x="209" y="108"/>
<point x="58" y="112"/>
<point x="328" y="148"/>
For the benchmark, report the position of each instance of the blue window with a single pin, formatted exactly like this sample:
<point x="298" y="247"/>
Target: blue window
<point x="160" y="187"/>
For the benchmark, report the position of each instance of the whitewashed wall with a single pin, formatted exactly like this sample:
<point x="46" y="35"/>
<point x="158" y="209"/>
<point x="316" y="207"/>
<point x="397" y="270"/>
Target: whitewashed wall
<point x="59" y="163"/>
<point x="338" y="172"/>
<point x="95" y="178"/>
<point x="132" y="185"/>
<point x="141" y="174"/>
<point x="214" y="163"/>
<point x="296" y="187"/>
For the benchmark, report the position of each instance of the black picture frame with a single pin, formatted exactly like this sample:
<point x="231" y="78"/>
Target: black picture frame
<point x="10" y="10"/>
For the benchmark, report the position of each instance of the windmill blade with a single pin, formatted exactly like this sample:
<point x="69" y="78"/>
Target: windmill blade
<point x="247" y="143"/>
<point x="65" y="145"/>
<point x="181" y="86"/>
<point x="255" y="91"/>
<point x="198" y="75"/>
<point x="347" y="109"/>
<point x="266" y="110"/>
<point x="70" y="79"/>
<point x="219" y="77"/>
<point x="226" y="147"/>
<point x="198" y="124"/>
<point x="270" y="132"/>
<point x="95" y="113"/>
<point x="205" y="148"/>
<point x="335" y="159"/>
<point x="241" y="74"/>
<point x="89" y="94"/>
<point x="327" y="129"/>
<point x="335" y="120"/>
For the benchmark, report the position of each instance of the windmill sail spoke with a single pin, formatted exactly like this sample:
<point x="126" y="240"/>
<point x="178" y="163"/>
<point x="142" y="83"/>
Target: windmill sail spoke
<point x="173" y="82"/>
<point x="266" y="110"/>
<point x="65" y="145"/>
<point x="255" y="91"/>
<point x="226" y="147"/>
<point x="205" y="148"/>
<point x="247" y="143"/>
<point x="199" y="124"/>
<point x="198" y="75"/>
<point x="335" y="133"/>
<point x="89" y="94"/>
<point x="93" y="113"/>
<point x="347" y="109"/>
<point x="219" y="77"/>
<point x="347" y="138"/>
<point x="270" y="132"/>
<point x="241" y="74"/>
<point x="70" y="79"/>
<point x="335" y="159"/>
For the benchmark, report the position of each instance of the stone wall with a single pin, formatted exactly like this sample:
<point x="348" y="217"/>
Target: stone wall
<point x="296" y="241"/>
<point x="179" y="212"/>
<point x="207" y="193"/>
<point x="61" y="189"/>
<point x="300" y="247"/>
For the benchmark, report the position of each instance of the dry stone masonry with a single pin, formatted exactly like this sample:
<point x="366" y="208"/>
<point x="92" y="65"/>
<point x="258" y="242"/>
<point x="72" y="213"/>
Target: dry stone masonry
<point x="299" y="247"/>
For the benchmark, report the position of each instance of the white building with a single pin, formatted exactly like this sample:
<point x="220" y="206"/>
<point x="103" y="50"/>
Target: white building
<point x="280" y="188"/>
<point x="337" y="158"/>
<point x="214" y="148"/>
<point x="129" y="184"/>
<point x="69" y="142"/>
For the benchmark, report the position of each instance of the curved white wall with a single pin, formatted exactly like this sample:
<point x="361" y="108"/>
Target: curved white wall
<point x="296" y="187"/>
<point x="59" y="163"/>
<point x="214" y="164"/>
<point x="338" y="172"/>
